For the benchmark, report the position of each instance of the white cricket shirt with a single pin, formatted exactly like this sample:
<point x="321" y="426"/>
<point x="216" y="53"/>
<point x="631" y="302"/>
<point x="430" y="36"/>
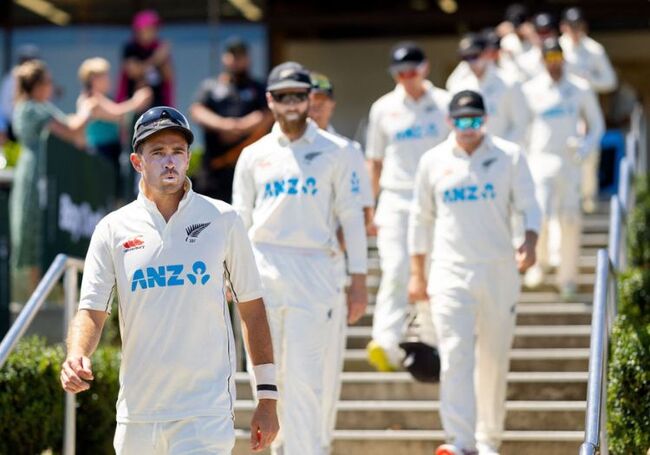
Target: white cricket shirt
<point x="588" y="59"/>
<point x="360" y="178"/>
<point x="291" y="194"/>
<point x="178" y="356"/>
<point x="401" y="129"/>
<point x="556" y="110"/>
<point x="507" y="116"/>
<point x="466" y="201"/>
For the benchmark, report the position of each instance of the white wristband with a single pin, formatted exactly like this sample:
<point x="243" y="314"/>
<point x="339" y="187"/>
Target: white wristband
<point x="267" y="389"/>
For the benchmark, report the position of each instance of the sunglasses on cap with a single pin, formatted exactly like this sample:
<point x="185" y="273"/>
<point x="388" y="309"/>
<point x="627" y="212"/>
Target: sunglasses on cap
<point x="468" y="123"/>
<point x="553" y="56"/>
<point x="156" y="114"/>
<point x="471" y="57"/>
<point x="290" y="97"/>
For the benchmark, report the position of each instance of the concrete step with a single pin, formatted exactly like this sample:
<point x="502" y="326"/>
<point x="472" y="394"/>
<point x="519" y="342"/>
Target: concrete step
<point x="521" y="360"/>
<point x="424" y="414"/>
<point x="422" y="442"/>
<point x="527" y="336"/>
<point x="401" y="386"/>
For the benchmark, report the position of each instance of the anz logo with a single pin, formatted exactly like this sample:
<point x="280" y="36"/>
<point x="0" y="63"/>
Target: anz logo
<point x="169" y="275"/>
<point x="417" y="132"/>
<point x="291" y="187"/>
<point x="355" y="183"/>
<point x="469" y="193"/>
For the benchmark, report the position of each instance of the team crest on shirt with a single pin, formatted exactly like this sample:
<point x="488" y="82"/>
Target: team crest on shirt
<point x="309" y="157"/>
<point x="487" y="163"/>
<point x="193" y="231"/>
<point x="135" y="243"/>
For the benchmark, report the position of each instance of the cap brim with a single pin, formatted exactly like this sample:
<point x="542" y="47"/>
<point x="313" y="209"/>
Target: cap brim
<point x="151" y="131"/>
<point x="467" y="112"/>
<point x="404" y="66"/>
<point x="287" y="84"/>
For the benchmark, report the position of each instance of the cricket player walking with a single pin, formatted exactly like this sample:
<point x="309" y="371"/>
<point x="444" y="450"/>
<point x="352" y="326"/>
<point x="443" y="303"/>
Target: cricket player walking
<point x="560" y="104"/>
<point x="465" y="191"/>
<point x="169" y="255"/>
<point x="321" y="109"/>
<point x="291" y="188"/>
<point x="403" y="124"/>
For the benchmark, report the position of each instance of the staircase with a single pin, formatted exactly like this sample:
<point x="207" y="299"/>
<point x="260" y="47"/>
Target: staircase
<point x="391" y="414"/>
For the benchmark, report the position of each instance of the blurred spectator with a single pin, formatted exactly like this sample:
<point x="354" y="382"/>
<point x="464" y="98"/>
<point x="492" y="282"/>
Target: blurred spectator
<point x="103" y="132"/>
<point x="25" y="53"/>
<point x="233" y="112"/>
<point x="32" y="115"/>
<point x="147" y="62"/>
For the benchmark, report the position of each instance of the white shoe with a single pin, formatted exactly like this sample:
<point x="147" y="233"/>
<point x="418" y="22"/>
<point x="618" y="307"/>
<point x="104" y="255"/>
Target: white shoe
<point x="534" y="277"/>
<point x="484" y="449"/>
<point x="569" y="292"/>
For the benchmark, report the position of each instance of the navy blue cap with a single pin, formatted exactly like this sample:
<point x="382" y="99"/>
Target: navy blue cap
<point x="288" y="75"/>
<point x="406" y="53"/>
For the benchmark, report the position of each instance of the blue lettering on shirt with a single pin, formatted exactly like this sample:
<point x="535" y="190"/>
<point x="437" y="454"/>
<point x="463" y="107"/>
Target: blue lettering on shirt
<point x="355" y="183"/>
<point x="169" y="275"/>
<point x="417" y="132"/>
<point x="468" y="193"/>
<point x="292" y="186"/>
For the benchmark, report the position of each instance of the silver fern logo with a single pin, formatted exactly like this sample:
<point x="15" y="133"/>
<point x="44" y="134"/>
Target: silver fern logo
<point x="194" y="230"/>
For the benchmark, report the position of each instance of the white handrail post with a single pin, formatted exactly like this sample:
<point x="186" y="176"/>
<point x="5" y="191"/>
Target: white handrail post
<point x="70" y="282"/>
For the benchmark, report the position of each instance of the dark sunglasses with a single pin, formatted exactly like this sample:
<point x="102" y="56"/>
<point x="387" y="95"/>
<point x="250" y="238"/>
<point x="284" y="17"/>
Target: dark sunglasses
<point x="290" y="97"/>
<point x="156" y="114"/>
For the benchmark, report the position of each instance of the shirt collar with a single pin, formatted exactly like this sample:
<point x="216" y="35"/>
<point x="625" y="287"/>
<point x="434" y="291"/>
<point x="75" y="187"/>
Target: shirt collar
<point x="309" y="136"/>
<point x="460" y="153"/>
<point x="151" y="206"/>
<point x="428" y="90"/>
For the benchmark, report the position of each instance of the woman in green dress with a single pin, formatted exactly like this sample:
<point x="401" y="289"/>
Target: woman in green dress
<point x="33" y="114"/>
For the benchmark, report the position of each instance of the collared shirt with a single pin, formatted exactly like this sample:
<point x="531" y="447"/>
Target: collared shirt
<point x="360" y="179"/>
<point x="401" y="129"/>
<point x="589" y="60"/>
<point x="466" y="201"/>
<point x="507" y="116"/>
<point x="177" y="346"/>
<point x="557" y="110"/>
<point x="290" y="193"/>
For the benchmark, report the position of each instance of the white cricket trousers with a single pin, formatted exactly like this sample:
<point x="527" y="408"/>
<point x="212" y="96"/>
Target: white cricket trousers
<point x="473" y="308"/>
<point x="391" y="307"/>
<point x="334" y="360"/>
<point x="196" y="435"/>
<point x="589" y="170"/>
<point x="301" y="290"/>
<point x="558" y="194"/>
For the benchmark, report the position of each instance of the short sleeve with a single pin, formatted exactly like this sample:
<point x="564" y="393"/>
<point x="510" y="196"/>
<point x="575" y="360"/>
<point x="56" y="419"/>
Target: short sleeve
<point x="240" y="264"/>
<point x="98" y="283"/>
<point x="375" y="138"/>
<point x="202" y="94"/>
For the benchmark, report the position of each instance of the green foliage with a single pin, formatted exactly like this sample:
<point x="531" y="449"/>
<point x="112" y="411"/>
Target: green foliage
<point x="196" y="159"/>
<point x="634" y="295"/>
<point x="32" y="401"/>
<point x="628" y="393"/>
<point x="96" y="412"/>
<point x="12" y="152"/>
<point x="638" y="234"/>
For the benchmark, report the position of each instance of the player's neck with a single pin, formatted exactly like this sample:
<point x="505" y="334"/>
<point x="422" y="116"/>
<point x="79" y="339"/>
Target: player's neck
<point x="415" y="92"/>
<point x="166" y="203"/>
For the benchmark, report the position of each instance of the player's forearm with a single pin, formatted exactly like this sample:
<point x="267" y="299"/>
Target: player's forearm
<point x="354" y="233"/>
<point x="374" y="169"/>
<point x="417" y="265"/>
<point x="256" y="332"/>
<point x="85" y="332"/>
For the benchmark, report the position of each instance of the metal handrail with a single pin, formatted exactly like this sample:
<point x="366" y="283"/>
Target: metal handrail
<point x="69" y="268"/>
<point x="610" y="262"/>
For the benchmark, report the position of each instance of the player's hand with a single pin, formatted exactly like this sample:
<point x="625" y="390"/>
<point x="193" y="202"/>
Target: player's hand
<point x="526" y="252"/>
<point x="417" y="289"/>
<point x="76" y="371"/>
<point x="357" y="298"/>
<point x="264" y="425"/>
<point x="371" y="229"/>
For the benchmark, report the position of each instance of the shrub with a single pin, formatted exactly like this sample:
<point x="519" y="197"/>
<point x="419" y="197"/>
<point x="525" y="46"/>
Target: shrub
<point x="32" y="402"/>
<point x="634" y="295"/>
<point x="638" y="234"/>
<point x="628" y="393"/>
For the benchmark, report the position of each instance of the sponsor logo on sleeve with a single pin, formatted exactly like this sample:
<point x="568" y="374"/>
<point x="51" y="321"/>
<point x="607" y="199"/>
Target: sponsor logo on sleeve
<point x="135" y="243"/>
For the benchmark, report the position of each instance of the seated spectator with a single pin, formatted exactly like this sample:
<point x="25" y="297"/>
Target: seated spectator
<point x="33" y="114"/>
<point x="147" y="61"/>
<point x="103" y="131"/>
